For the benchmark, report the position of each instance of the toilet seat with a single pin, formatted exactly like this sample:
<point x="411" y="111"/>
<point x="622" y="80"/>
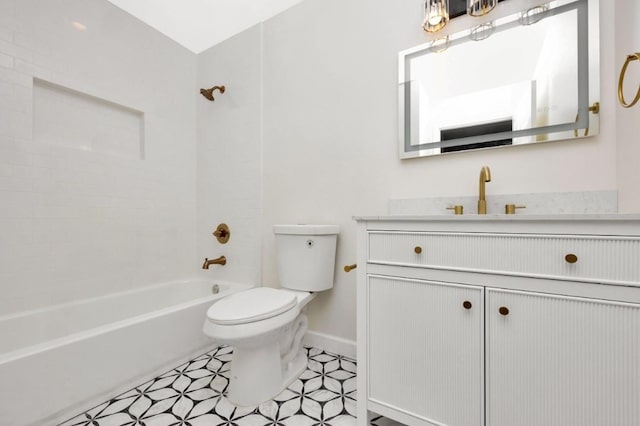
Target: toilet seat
<point x="251" y="306"/>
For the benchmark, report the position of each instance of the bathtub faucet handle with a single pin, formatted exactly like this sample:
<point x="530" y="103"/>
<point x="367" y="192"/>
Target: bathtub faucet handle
<point x="222" y="233"/>
<point x="219" y="261"/>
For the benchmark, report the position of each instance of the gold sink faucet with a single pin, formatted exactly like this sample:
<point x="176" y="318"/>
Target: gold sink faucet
<point x="485" y="176"/>
<point x="219" y="261"/>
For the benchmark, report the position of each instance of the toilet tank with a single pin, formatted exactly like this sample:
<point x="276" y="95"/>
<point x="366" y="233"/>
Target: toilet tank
<point x="306" y="256"/>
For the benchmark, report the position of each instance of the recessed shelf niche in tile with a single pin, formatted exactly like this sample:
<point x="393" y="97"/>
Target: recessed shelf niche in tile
<point x="71" y="119"/>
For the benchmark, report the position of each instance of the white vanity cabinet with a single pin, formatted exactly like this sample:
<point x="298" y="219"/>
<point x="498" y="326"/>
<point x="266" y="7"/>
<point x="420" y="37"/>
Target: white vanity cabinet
<point x="558" y="360"/>
<point x="499" y="321"/>
<point x="440" y="378"/>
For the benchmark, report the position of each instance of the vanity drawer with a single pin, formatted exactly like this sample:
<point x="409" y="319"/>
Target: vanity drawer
<point x="577" y="257"/>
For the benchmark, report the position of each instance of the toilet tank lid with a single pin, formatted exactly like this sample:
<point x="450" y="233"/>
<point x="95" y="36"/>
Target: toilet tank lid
<point x="306" y="229"/>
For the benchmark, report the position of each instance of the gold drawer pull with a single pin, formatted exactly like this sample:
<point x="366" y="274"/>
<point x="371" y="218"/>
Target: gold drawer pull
<point x="504" y="311"/>
<point x="571" y="258"/>
<point x="417" y="249"/>
<point x="467" y="305"/>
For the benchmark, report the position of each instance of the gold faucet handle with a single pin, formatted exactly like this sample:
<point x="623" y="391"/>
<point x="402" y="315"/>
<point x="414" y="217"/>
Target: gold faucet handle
<point x="222" y="233"/>
<point x="511" y="208"/>
<point x="457" y="209"/>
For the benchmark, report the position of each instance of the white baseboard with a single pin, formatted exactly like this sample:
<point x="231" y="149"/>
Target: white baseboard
<point x="329" y="343"/>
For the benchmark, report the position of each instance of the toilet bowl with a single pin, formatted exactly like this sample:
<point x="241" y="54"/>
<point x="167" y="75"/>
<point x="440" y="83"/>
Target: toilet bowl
<point x="266" y="326"/>
<point x="267" y="343"/>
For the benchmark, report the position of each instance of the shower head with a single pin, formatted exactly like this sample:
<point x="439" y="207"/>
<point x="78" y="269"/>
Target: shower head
<point x="208" y="93"/>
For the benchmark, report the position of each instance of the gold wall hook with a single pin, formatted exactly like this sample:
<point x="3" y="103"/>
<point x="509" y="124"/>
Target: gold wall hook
<point x="208" y="93"/>
<point x="595" y="108"/>
<point x="222" y="233"/>
<point x="632" y="57"/>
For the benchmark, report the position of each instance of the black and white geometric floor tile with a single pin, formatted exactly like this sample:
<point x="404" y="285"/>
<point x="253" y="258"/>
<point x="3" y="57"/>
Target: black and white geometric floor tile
<point x="193" y="394"/>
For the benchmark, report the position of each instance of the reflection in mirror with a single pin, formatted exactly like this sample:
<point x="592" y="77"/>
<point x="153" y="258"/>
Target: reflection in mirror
<point x="522" y="78"/>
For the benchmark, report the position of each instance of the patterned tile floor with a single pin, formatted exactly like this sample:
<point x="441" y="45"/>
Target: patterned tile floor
<point x="193" y="394"/>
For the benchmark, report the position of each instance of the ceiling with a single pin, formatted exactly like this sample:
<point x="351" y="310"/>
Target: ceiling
<point x="200" y="24"/>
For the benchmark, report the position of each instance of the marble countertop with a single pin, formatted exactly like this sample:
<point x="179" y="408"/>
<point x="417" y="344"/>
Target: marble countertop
<point x="504" y="217"/>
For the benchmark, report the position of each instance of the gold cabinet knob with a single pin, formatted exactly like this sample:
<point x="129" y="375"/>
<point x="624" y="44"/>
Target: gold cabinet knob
<point x="504" y="311"/>
<point x="467" y="305"/>
<point x="571" y="258"/>
<point x="349" y="268"/>
<point x="417" y="249"/>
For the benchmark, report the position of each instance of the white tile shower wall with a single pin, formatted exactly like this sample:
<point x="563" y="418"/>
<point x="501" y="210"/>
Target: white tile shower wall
<point x="77" y="223"/>
<point x="71" y="119"/>
<point x="230" y="156"/>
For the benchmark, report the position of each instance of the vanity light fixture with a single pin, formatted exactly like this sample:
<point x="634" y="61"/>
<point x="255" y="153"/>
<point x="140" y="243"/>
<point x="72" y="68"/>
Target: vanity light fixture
<point x="533" y="14"/>
<point x="439" y="45"/>
<point x="436" y="15"/>
<point x="480" y="7"/>
<point x="482" y="31"/>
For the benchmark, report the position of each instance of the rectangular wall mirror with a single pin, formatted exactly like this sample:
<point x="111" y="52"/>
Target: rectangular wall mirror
<point x="527" y="77"/>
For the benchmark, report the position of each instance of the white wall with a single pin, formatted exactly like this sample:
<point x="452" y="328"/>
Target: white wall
<point x="230" y="156"/>
<point x="330" y="134"/>
<point x="627" y="41"/>
<point x="330" y="121"/>
<point x="78" y="223"/>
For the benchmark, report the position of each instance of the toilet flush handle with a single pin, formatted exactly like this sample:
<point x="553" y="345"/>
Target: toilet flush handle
<point x="349" y="268"/>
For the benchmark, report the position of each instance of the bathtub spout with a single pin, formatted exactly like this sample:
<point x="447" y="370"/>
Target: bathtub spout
<point x="219" y="261"/>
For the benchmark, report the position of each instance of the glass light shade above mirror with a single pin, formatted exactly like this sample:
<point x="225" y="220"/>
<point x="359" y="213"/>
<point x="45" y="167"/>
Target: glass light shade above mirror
<point x="521" y="76"/>
<point x="480" y="7"/>
<point x="436" y="15"/>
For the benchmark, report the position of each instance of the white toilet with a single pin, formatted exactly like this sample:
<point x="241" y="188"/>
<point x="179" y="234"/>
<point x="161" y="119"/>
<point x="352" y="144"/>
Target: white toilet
<point x="265" y="326"/>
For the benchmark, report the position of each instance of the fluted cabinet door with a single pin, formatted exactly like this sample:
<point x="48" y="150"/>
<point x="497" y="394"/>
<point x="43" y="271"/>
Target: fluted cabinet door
<point x="425" y="350"/>
<point x="561" y="361"/>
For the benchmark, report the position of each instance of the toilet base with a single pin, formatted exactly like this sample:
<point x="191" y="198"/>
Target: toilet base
<point x="267" y="355"/>
<point x="263" y="375"/>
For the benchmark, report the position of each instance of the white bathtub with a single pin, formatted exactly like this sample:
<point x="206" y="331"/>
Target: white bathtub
<point x="64" y="358"/>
